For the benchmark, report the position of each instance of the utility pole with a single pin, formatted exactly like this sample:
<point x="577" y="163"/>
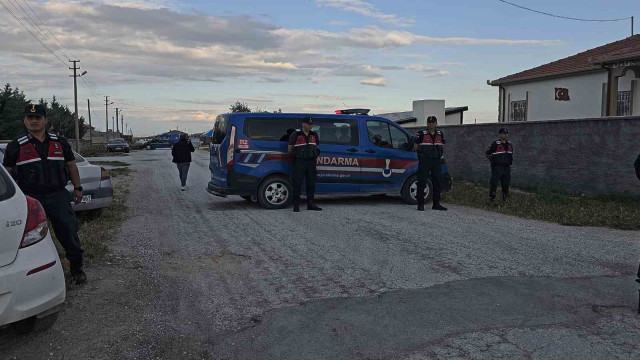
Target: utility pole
<point x="89" y="112"/>
<point x="632" y="26"/>
<point x="113" y="126"/>
<point x="122" y="124"/>
<point x="106" y="116"/>
<point x="75" y="99"/>
<point x="117" y="129"/>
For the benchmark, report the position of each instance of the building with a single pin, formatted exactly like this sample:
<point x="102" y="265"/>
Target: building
<point x="600" y="82"/>
<point x="424" y="108"/>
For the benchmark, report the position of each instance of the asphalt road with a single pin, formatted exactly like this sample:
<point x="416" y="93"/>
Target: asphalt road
<point x="192" y="276"/>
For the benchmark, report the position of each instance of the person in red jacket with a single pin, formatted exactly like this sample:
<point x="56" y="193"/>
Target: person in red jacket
<point x="500" y="154"/>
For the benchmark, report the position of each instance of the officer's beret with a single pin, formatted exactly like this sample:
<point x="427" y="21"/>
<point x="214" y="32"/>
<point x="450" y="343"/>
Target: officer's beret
<point x="35" y="110"/>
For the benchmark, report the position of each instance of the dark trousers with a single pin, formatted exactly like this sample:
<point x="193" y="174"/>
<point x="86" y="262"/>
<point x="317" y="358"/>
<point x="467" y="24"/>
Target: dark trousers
<point x="304" y="169"/>
<point x="502" y="174"/>
<point x="64" y="222"/>
<point x="183" y="170"/>
<point x="429" y="168"/>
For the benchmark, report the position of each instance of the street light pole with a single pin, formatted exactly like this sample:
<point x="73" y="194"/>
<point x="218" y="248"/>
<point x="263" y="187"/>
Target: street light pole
<point x="106" y="116"/>
<point x="75" y="100"/>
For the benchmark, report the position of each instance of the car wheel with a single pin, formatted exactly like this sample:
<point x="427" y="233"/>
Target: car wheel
<point x="149" y="147"/>
<point x="410" y="190"/>
<point x="32" y="324"/>
<point x="275" y="193"/>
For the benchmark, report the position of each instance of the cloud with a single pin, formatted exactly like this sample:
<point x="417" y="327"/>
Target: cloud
<point x="318" y="80"/>
<point x="378" y="81"/>
<point x="366" y="9"/>
<point x="338" y="23"/>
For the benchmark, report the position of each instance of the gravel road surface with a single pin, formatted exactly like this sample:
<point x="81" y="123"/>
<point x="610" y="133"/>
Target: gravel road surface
<point x="193" y="276"/>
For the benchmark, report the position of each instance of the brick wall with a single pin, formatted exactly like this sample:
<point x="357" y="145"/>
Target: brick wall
<point x="593" y="156"/>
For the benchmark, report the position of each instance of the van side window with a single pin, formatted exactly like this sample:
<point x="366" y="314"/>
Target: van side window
<point x="336" y="131"/>
<point x="269" y="129"/>
<point x="385" y="135"/>
<point x="219" y="130"/>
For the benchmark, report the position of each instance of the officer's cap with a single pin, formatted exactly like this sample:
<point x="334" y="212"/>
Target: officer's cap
<point x="307" y="120"/>
<point x="503" y="131"/>
<point x="35" y="110"/>
<point x="432" y="119"/>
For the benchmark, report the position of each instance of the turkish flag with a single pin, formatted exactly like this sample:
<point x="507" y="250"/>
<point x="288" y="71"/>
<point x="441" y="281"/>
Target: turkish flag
<point x="562" y="94"/>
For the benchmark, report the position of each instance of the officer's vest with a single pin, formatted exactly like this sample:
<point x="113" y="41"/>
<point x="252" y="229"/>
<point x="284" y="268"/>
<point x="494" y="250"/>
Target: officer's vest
<point x="430" y="148"/>
<point x="503" y="155"/>
<point x="304" y="147"/>
<point x="34" y="172"/>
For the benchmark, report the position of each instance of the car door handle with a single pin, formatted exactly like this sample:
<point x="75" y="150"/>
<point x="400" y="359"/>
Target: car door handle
<point x="352" y="150"/>
<point x="370" y="151"/>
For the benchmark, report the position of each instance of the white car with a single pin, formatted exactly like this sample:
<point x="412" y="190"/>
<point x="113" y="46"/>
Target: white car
<point x="32" y="285"/>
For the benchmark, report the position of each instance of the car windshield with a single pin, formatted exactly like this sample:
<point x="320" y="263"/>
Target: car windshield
<point x="6" y="187"/>
<point x="79" y="157"/>
<point x="117" y="141"/>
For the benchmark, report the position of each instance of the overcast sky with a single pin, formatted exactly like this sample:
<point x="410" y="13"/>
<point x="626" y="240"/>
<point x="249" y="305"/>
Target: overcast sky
<point x="177" y="64"/>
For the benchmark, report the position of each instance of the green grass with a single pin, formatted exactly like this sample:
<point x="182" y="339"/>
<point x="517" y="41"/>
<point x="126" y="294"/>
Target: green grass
<point x="110" y="163"/>
<point x="100" y="151"/>
<point x="95" y="233"/>
<point x="615" y="212"/>
<point x="119" y="171"/>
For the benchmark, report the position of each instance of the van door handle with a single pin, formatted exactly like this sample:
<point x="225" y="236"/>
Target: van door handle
<point x="370" y="151"/>
<point x="352" y="150"/>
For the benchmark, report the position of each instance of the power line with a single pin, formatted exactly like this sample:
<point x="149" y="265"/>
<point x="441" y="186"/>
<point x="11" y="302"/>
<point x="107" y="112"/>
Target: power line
<point x="46" y="27"/>
<point x="563" y="17"/>
<point x="32" y="33"/>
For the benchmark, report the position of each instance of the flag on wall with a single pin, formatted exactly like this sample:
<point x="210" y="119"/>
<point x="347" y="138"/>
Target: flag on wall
<point x="562" y="94"/>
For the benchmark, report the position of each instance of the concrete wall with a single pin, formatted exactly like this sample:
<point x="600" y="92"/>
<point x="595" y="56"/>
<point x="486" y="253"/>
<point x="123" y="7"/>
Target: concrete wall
<point x="425" y="108"/>
<point x="451" y="119"/>
<point x="592" y="156"/>
<point x="585" y="92"/>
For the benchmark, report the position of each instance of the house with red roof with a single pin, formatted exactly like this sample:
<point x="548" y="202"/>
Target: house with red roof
<point x="600" y="82"/>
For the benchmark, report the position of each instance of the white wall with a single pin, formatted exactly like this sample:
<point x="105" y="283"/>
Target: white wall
<point x="451" y="119"/>
<point x="424" y="108"/>
<point x="585" y="92"/>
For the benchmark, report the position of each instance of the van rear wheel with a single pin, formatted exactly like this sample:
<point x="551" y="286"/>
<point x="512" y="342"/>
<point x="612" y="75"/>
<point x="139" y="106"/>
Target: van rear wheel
<point x="410" y="191"/>
<point x="275" y="193"/>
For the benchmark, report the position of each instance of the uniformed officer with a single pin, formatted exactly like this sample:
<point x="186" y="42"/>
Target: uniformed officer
<point x="304" y="151"/>
<point x="42" y="164"/>
<point x="500" y="154"/>
<point x="430" y="147"/>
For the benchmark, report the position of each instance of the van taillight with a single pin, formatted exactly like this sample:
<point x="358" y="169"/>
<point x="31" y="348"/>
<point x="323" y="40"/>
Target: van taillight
<point x="104" y="174"/>
<point x="232" y="146"/>
<point x="37" y="227"/>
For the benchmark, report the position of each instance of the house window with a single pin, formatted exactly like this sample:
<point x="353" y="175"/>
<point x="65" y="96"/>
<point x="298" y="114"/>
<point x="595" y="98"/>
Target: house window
<point x="519" y="110"/>
<point x="624" y="103"/>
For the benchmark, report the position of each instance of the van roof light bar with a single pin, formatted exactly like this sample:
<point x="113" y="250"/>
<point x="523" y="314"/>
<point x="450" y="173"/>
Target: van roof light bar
<point x="353" y="111"/>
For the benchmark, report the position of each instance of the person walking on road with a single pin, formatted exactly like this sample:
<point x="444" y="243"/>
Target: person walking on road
<point x="181" y="152"/>
<point x="304" y="150"/>
<point x="430" y="147"/>
<point x="42" y="164"/>
<point x="500" y="154"/>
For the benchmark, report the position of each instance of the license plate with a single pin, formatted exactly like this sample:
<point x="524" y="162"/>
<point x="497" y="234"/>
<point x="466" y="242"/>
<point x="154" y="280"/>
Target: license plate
<point x="118" y="148"/>
<point x="86" y="199"/>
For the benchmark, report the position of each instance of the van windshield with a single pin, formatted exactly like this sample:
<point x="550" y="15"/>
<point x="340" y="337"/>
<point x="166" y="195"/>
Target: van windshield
<point x="219" y="130"/>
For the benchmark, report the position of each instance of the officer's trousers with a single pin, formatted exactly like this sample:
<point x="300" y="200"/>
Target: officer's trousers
<point x="304" y="170"/>
<point x="64" y="222"/>
<point x="429" y="168"/>
<point x="502" y="174"/>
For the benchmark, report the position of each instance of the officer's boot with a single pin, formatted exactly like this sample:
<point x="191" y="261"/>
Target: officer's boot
<point x="311" y="205"/>
<point x="420" y="199"/>
<point x="78" y="276"/>
<point x="437" y="206"/>
<point x="296" y="205"/>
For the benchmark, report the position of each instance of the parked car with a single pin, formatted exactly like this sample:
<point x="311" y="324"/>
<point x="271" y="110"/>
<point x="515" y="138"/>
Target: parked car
<point x="118" y="144"/>
<point x="96" y="183"/>
<point x="161" y="142"/>
<point x="359" y="154"/>
<point x="32" y="286"/>
<point x="97" y="190"/>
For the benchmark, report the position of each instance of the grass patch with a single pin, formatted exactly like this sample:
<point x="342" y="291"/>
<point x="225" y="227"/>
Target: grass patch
<point x="611" y="212"/>
<point x="100" y="151"/>
<point x="96" y="230"/>
<point x="110" y="163"/>
<point x="119" y="172"/>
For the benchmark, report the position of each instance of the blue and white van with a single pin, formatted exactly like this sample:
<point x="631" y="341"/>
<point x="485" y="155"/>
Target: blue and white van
<point x="359" y="154"/>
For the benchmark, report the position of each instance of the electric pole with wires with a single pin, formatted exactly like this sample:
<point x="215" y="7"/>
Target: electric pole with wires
<point x="106" y="116"/>
<point x="75" y="100"/>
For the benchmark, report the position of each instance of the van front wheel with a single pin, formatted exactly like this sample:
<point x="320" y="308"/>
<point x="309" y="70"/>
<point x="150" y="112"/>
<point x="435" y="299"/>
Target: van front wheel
<point x="410" y="191"/>
<point x="275" y="193"/>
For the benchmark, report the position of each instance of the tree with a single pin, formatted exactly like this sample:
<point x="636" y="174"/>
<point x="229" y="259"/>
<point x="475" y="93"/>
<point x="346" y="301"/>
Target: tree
<point x="59" y="119"/>
<point x="239" y="107"/>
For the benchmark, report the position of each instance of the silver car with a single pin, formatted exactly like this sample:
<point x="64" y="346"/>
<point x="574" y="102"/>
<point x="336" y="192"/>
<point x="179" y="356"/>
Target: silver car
<point x="96" y="183"/>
